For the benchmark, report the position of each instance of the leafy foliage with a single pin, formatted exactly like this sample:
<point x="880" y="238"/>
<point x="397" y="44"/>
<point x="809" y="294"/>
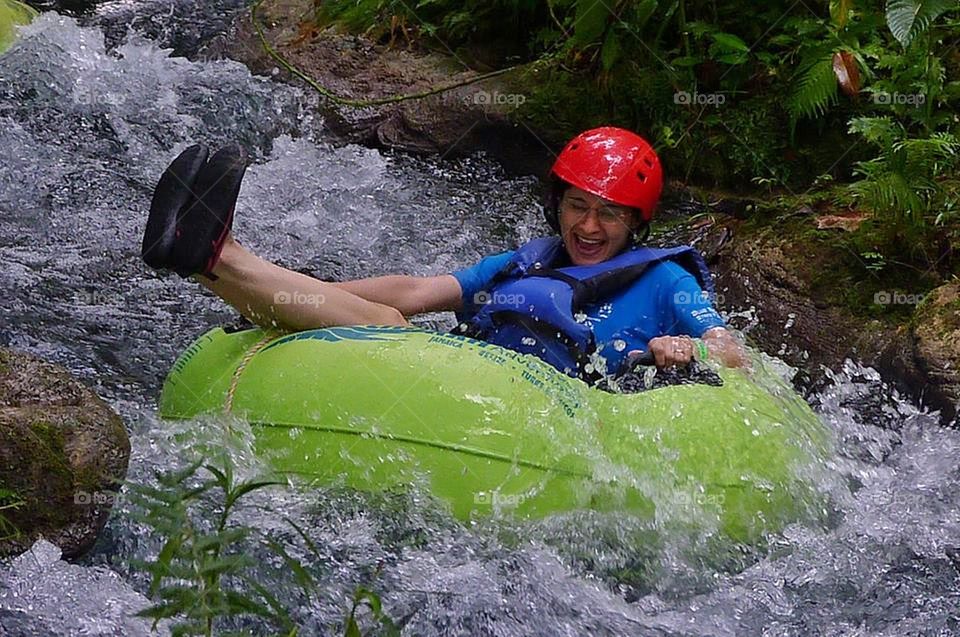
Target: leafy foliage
<point x="193" y="571"/>
<point x="902" y="183"/>
<point x="9" y="500"/>
<point x="203" y="573"/>
<point x="815" y="89"/>
<point x="909" y="18"/>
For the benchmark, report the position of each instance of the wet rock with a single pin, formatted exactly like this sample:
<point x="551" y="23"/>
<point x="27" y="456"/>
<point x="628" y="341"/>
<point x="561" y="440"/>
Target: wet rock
<point x="63" y="452"/>
<point x="453" y="123"/>
<point x="754" y="272"/>
<point x="937" y="332"/>
<point x="766" y="283"/>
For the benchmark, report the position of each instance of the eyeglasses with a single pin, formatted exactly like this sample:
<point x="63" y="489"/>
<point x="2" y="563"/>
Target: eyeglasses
<point x="578" y="210"/>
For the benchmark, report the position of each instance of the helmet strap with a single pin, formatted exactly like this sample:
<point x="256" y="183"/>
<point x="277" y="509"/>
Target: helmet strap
<point x="641" y="234"/>
<point x="551" y="201"/>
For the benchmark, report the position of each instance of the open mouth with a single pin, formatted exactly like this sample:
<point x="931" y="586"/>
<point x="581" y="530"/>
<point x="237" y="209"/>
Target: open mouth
<point x="588" y="247"/>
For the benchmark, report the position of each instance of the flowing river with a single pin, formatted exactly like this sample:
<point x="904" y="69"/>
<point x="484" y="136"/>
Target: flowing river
<point x="90" y="113"/>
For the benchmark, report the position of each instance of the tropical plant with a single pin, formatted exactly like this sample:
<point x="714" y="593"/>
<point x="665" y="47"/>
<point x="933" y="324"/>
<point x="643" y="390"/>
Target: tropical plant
<point x="197" y="570"/>
<point x="204" y="574"/>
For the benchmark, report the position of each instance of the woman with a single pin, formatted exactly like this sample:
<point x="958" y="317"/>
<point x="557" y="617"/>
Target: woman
<point x="591" y="290"/>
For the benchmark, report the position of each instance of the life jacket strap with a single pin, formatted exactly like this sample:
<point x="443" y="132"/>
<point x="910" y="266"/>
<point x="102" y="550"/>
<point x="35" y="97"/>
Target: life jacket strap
<point x="590" y="291"/>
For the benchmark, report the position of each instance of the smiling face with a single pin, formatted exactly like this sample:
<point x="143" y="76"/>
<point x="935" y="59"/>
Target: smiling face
<point x="593" y="229"/>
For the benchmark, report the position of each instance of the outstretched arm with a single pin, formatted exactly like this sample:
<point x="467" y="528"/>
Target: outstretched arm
<point x="409" y="294"/>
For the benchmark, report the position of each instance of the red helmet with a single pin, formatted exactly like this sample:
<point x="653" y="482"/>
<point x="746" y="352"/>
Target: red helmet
<point x="612" y="163"/>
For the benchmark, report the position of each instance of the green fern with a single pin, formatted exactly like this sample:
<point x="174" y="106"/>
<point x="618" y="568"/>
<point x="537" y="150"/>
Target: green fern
<point x="932" y="155"/>
<point x="890" y="193"/>
<point x="905" y="180"/>
<point x="816" y="89"/>
<point x="879" y="131"/>
<point x="909" y="18"/>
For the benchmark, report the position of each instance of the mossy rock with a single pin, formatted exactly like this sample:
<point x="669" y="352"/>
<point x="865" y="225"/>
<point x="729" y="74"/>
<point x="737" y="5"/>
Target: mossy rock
<point x="936" y="326"/>
<point x="63" y="452"/>
<point x="808" y="303"/>
<point x="12" y="13"/>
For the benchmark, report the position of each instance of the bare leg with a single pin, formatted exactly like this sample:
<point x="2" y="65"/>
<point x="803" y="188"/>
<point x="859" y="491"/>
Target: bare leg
<point x="275" y="297"/>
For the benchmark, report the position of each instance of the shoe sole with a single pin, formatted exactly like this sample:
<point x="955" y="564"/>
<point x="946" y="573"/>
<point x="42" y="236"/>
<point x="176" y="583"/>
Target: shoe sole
<point x="204" y="225"/>
<point x="173" y="193"/>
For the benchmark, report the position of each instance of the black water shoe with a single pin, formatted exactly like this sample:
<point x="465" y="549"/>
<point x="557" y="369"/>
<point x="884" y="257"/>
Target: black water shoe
<point x="173" y="194"/>
<point x="203" y="226"/>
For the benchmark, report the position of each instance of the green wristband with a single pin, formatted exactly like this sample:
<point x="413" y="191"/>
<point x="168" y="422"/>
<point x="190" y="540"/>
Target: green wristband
<point x="702" y="352"/>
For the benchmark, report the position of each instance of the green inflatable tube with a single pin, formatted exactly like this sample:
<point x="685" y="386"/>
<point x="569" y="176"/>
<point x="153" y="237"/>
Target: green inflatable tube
<point x="12" y="13"/>
<point x="489" y="430"/>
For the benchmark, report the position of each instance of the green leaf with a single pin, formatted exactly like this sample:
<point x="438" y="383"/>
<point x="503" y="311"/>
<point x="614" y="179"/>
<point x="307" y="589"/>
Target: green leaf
<point x="180" y="596"/>
<point x="591" y="21"/>
<point x="240" y="604"/>
<point x="644" y="11"/>
<point x="611" y="50"/>
<point x="879" y="131"/>
<point x="224" y="565"/>
<point x="167" y="553"/>
<point x="686" y="60"/>
<point x="840" y="11"/>
<point x="909" y="18"/>
<point x="158" y="612"/>
<point x="352" y="629"/>
<point x="365" y="594"/>
<point x="280" y="613"/>
<point x="173" y="478"/>
<point x="246" y="487"/>
<point x="732" y="58"/>
<point x="815" y="90"/>
<point x="302" y="575"/>
<point x="730" y="42"/>
<point x="222" y="478"/>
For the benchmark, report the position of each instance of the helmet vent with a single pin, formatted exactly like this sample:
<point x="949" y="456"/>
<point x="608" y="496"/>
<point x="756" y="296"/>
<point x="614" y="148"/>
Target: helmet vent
<point x="574" y="146"/>
<point x="642" y="177"/>
<point x="648" y="162"/>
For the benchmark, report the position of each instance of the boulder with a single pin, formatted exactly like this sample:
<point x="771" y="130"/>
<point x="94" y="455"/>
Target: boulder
<point x="936" y="327"/>
<point x="767" y="282"/>
<point x="63" y="452"/>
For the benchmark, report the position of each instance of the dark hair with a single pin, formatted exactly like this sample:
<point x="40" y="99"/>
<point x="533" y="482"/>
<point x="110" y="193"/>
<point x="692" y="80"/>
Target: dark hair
<point x="556" y="187"/>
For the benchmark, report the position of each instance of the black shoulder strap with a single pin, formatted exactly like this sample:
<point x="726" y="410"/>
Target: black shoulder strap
<point x="594" y="289"/>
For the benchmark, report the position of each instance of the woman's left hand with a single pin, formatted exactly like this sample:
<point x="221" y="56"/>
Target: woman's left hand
<point x="671" y="350"/>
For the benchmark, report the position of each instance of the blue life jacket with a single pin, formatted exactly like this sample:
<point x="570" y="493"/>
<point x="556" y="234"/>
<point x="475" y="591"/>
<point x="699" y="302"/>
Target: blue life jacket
<point x="533" y="308"/>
